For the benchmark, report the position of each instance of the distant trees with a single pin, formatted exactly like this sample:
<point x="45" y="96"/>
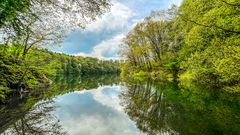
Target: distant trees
<point x="40" y="65"/>
<point x="85" y="65"/>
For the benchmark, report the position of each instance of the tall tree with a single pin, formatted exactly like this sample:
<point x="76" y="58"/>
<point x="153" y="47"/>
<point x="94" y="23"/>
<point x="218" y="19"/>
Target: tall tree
<point x="63" y="15"/>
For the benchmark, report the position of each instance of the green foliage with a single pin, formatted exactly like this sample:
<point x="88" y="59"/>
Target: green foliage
<point x="17" y="73"/>
<point x="212" y="36"/>
<point x="140" y="75"/>
<point x="233" y="89"/>
<point x="10" y="9"/>
<point x="200" y="43"/>
<point x="31" y="20"/>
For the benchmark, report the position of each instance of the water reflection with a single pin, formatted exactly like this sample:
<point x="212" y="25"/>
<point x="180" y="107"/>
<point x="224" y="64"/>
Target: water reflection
<point x="65" y="84"/>
<point x="101" y="105"/>
<point x="94" y="112"/>
<point x="22" y="115"/>
<point x="170" y="108"/>
<point x="37" y="121"/>
<point x="148" y="108"/>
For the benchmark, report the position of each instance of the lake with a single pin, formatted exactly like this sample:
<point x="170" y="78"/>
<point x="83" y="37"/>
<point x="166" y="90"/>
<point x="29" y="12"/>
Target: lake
<point x="105" y="105"/>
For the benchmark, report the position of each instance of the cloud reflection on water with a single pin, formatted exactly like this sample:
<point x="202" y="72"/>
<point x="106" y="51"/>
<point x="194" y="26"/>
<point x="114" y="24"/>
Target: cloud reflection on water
<point x="94" y="112"/>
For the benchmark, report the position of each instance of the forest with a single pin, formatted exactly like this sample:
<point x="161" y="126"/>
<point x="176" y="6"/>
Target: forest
<point x="153" y="67"/>
<point x="28" y="28"/>
<point x="196" y="42"/>
<point x="42" y="65"/>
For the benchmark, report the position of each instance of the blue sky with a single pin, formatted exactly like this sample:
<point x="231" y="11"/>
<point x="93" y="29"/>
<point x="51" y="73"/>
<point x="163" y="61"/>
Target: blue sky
<point x="103" y="37"/>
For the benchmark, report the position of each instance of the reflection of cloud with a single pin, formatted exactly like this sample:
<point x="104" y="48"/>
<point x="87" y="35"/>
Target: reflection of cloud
<point x="108" y="96"/>
<point x="94" y="112"/>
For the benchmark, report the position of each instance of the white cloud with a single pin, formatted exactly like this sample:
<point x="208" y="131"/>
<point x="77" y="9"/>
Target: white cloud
<point x="107" y="49"/>
<point x="103" y="37"/>
<point x="116" y="19"/>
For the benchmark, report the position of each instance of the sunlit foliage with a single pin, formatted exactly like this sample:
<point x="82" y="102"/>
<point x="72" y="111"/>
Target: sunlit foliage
<point x="200" y="42"/>
<point x="39" y="66"/>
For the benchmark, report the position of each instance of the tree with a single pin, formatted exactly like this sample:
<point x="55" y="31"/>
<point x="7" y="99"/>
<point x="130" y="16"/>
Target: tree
<point x="9" y="9"/>
<point x="152" y="46"/>
<point x="211" y="46"/>
<point x="200" y="40"/>
<point x="25" y="18"/>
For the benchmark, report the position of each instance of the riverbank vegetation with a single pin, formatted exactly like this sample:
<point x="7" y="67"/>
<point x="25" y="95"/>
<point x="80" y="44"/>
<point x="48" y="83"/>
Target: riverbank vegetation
<point x="198" y="42"/>
<point x="29" y="26"/>
<point x="40" y="65"/>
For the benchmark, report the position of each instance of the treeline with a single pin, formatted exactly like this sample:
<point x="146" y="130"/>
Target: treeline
<point x="86" y="65"/>
<point x="18" y="73"/>
<point x="199" y="41"/>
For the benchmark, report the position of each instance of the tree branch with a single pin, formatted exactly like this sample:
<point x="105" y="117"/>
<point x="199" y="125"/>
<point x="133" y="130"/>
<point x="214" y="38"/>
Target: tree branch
<point x="210" y="26"/>
<point x="231" y="4"/>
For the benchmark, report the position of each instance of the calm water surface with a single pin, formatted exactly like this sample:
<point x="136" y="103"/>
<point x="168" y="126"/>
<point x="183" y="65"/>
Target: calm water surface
<point x="103" y="105"/>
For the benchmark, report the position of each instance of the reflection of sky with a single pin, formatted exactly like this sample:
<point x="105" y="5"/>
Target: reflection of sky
<point x="94" y="112"/>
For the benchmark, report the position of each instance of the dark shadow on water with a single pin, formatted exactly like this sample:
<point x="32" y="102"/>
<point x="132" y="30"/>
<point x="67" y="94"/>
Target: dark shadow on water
<point x="172" y="108"/>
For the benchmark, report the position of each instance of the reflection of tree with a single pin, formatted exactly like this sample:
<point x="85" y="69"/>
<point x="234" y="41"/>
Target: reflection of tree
<point x="86" y="82"/>
<point x="38" y="121"/>
<point x="16" y="110"/>
<point x="147" y="108"/>
<point x="166" y="108"/>
<point x="68" y="83"/>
